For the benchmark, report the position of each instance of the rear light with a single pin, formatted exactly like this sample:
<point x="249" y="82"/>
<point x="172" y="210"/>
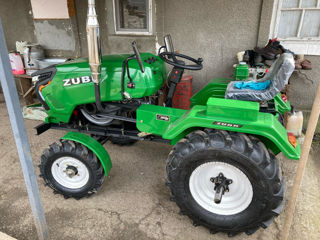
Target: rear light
<point x="292" y="139"/>
<point x="284" y="97"/>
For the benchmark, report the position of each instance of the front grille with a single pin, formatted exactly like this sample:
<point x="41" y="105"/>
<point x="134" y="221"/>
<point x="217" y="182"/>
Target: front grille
<point x="44" y="76"/>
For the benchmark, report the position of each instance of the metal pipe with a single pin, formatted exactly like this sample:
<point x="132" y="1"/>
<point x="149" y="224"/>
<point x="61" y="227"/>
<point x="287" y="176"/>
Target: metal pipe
<point x="94" y="44"/>
<point x="21" y="138"/>
<point x="94" y="50"/>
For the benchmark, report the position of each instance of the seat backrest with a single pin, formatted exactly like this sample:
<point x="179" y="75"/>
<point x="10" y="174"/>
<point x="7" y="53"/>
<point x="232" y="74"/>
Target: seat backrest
<point x="280" y="72"/>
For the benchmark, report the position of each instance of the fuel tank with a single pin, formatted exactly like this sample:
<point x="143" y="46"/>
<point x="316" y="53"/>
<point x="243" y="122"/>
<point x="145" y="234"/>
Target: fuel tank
<point x="70" y="84"/>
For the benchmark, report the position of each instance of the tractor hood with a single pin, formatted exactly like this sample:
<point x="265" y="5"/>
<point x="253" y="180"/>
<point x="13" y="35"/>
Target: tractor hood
<point x="63" y="87"/>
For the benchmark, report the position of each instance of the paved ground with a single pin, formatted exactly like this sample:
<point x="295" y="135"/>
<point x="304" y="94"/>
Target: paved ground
<point x="133" y="202"/>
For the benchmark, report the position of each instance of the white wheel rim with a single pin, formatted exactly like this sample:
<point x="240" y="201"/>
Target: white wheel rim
<point x="61" y="167"/>
<point x="235" y="201"/>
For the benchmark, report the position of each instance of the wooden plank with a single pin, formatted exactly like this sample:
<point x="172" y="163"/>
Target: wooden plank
<point x="28" y="92"/>
<point x="25" y="85"/>
<point x="23" y="76"/>
<point x="312" y="124"/>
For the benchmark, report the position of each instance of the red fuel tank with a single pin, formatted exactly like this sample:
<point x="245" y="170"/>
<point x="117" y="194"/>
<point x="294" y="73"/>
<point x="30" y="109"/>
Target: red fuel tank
<point x="183" y="93"/>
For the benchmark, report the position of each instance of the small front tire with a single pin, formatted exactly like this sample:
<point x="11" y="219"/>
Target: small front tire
<point x="71" y="169"/>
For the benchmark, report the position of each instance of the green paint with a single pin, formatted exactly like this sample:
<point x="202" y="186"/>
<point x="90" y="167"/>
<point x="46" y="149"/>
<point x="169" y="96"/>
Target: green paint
<point x="281" y="105"/>
<point x="233" y="109"/>
<point x="215" y="88"/>
<point x="241" y="72"/>
<point x="253" y="122"/>
<point x="209" y="108"/>
<point x="62" y="100"/>
<point x="94" y="146"/>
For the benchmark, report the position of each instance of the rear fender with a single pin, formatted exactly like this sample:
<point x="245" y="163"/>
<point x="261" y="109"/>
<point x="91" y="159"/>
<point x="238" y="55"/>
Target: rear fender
<point x="219" y="113"/>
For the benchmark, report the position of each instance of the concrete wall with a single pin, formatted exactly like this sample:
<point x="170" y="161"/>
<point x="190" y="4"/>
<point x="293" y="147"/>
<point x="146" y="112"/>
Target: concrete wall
<point x="56" y="36"/>
<point x="112" y="43"/>
<point x="303" y="86"/>
<point x="214" y="30"/>
<point x="17" y="21"/>
<point x="205" y="30"/>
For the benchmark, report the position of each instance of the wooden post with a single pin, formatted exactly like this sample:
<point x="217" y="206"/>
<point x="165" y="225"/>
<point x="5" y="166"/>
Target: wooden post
<point x="302" y="164"/>
<point x="21" y="139"/>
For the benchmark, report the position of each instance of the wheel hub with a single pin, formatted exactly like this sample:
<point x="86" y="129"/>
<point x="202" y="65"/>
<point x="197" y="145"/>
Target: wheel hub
<point x="221" y="186"/>
<point x="71" y="171"/>
<point x="203" y="192"/>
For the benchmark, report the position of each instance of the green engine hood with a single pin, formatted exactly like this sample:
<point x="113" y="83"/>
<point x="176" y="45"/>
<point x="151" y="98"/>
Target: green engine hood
<point x="71" y="85"/>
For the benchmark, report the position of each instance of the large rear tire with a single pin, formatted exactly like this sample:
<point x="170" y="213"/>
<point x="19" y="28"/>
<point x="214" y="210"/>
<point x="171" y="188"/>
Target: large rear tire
<point x="71" y="169"/>
<point x="255" y="194"/>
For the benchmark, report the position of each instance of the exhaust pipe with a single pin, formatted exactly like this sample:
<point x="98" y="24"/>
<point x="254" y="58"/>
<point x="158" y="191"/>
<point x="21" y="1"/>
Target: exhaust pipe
<point x="94" y="50"/>
<point x="94" y="56"/>
<point x="93" y="38"/>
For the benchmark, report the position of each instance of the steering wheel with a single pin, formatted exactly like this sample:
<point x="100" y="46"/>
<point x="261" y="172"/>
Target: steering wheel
<point x="167" y="56"/>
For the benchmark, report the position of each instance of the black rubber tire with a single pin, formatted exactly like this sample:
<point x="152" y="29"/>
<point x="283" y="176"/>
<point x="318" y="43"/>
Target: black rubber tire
<point x="245" y="152"/>
<point x="122" y="141"/>
<point x="82" y="153"/>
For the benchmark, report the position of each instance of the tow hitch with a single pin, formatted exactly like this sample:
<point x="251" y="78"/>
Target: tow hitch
<point x="221" y="186"/>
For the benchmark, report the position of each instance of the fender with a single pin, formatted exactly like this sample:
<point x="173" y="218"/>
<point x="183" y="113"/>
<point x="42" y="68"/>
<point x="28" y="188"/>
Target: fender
<point x="219" y="113"/>
<point x="94" y="146"/>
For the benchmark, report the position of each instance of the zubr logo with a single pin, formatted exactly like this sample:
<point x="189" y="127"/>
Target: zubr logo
<point x="76" y="81"/>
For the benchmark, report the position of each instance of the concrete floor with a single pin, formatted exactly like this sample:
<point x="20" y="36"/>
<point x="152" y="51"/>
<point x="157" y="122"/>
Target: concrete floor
<point x="133" y="202"/>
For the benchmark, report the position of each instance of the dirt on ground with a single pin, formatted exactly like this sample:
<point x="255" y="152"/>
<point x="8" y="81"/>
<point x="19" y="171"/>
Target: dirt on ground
<point x="134" y="201"/>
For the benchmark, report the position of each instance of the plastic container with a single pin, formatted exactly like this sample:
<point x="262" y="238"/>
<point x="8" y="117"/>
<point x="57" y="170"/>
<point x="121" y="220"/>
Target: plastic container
<point x="241" y="71"/>
<point x="31" y="54"/>
<point x="183" y="93"/>
<point x="16" y="63"/>
<point x="295" y="123"/>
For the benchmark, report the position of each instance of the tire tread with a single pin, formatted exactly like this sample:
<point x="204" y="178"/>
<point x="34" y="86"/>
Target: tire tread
<point x="238" y="143"/>
<point x="68" y="146"/>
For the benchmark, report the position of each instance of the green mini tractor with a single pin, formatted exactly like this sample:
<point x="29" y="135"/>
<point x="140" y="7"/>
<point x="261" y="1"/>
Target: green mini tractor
<point x="222" y="171"/>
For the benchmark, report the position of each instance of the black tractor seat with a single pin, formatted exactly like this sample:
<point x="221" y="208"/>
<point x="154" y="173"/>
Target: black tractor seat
<point x="279" y="74"/>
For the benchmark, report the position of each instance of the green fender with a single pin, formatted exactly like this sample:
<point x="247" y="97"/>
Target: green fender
<point x="219" y="113"/>
<point x="94" y="146"/>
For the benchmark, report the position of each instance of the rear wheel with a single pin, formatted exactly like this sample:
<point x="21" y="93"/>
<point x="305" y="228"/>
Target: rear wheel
<point x="225" y="181"/>
<point x="71" y="169"/>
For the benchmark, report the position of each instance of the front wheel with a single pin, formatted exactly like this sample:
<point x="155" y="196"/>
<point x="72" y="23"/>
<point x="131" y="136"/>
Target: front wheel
<point x="71" y="169"/>
<point x="225" y="181"/>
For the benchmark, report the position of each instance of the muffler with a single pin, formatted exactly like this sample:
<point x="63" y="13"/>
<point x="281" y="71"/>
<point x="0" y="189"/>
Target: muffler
<point x="94" y="50"/>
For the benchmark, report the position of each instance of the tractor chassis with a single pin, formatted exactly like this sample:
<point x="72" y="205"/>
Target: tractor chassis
<point x="101" y="134"/>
